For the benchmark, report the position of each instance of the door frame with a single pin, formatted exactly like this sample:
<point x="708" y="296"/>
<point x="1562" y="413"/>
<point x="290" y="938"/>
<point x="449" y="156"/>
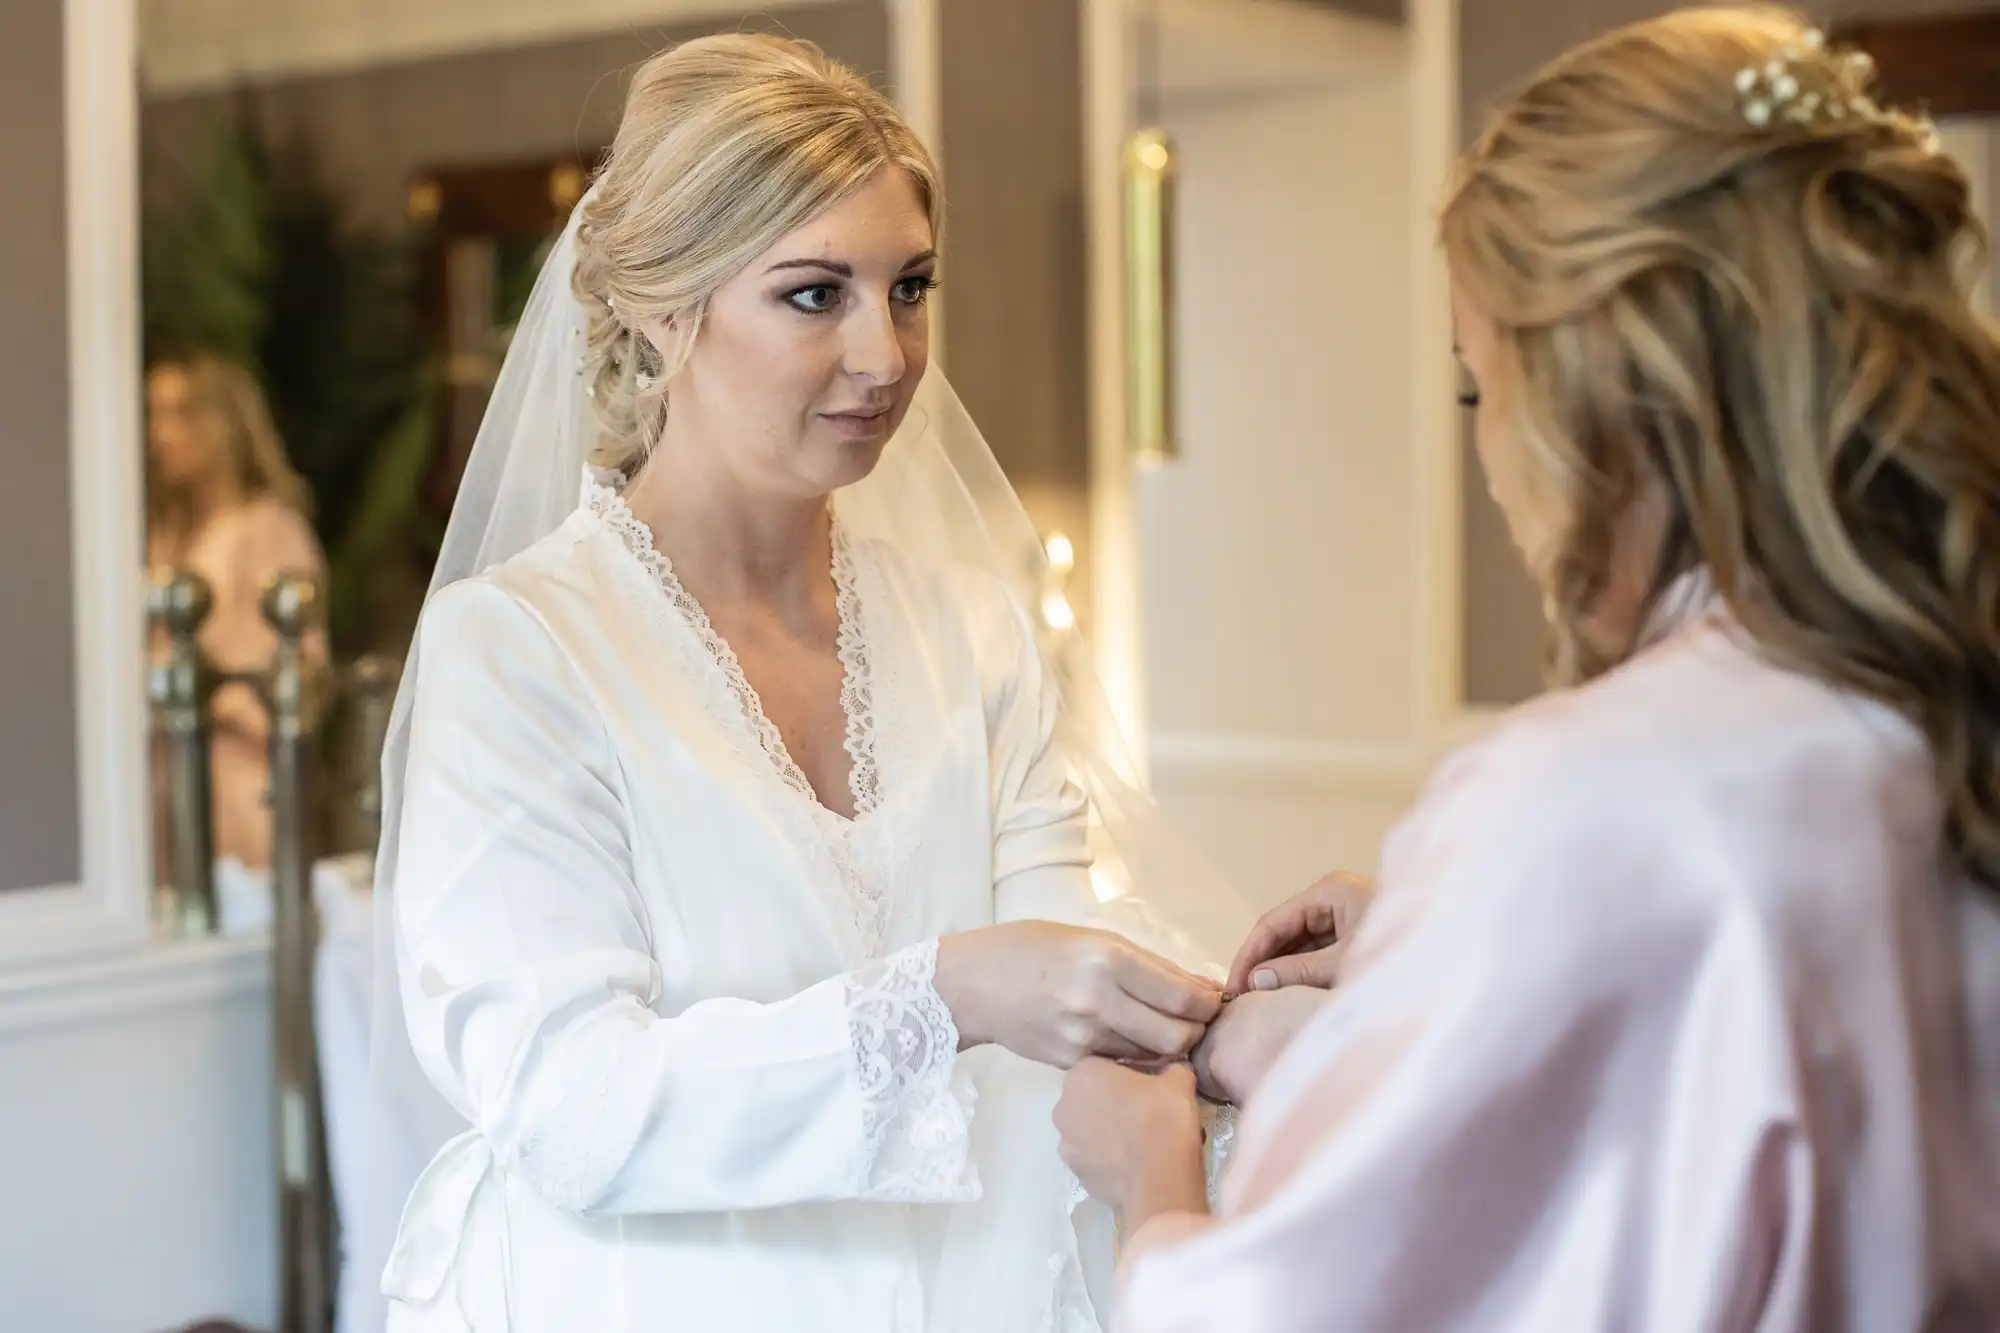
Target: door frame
<point x="109" y="905"/>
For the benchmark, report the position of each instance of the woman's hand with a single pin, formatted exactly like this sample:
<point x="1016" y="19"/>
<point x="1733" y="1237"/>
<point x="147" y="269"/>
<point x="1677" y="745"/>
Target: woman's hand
<point x="1057" y="993"/>
<point x="1300" y="942"/>
<point x="1247" y="1039"/>
<point x="1134" y="1139"/>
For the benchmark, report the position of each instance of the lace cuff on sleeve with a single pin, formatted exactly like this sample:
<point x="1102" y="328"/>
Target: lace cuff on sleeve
<point x="1220" y="1122"/>
<point x="916" y="1105"/>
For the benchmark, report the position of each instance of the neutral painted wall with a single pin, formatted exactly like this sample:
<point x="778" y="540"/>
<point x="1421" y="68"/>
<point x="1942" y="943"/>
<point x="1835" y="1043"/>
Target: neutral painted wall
<point x="1976" y="144"/>
<point x="1278" y="602"/>
<point x="39" y="816"/>
<point x="1292" y="409"/>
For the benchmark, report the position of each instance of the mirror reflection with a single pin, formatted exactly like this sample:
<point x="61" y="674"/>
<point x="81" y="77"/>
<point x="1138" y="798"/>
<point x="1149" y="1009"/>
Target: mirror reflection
<point x="335" y="248"/>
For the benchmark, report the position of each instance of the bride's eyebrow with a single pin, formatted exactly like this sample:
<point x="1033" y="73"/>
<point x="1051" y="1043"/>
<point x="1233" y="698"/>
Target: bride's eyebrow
<point x="833" y="266"/>
<point x="842" y="269"/>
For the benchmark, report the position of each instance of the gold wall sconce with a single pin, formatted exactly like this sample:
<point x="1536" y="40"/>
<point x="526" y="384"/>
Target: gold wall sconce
<point x="1149" y="297"/>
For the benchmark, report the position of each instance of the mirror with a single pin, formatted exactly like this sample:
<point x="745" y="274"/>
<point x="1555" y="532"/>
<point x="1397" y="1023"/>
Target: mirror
<point x="342" y="219"/>
<point x="344" y="211"/>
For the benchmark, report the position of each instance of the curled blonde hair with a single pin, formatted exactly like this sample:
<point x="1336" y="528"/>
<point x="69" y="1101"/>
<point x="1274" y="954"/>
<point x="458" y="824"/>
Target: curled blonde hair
<point x="1770" y="325"/>
<point x="727" y="144"/>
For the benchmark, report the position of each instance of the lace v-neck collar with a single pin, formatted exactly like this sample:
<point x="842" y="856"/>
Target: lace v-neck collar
<point x="864" y="780"/>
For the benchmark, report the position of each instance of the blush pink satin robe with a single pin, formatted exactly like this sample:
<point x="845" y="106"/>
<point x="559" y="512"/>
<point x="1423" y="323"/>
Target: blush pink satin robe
<point x="1668" y="1018"/>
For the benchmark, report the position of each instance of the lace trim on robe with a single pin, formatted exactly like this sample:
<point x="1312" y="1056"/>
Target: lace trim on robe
<point x="916" y="1107"/>
<point x="857" y="681"/>
<point x="916" y="1110"/>
<point x="568" y="1166"/>
<point x="863" y="908"/>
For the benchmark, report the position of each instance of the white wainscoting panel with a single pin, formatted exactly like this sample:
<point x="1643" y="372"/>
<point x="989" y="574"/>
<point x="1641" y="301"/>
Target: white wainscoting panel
<point x="1275" y="814"/>
<point x="137" y="1182"/>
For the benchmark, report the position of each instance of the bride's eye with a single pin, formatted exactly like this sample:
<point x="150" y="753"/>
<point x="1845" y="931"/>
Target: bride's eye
<point x="915" y="290"/>
<point x="814" y="300"/>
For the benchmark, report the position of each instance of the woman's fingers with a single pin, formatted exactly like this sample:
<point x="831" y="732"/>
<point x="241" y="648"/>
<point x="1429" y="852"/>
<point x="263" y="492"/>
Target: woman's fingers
<point x="1114" y="1047"/>
<point x="1276" y="933"/>
<point x="1319" y="967"/>
<point x="1161" y="986"/>
<point x="1155" y="1033"/>
<point x="1320" y="916"/>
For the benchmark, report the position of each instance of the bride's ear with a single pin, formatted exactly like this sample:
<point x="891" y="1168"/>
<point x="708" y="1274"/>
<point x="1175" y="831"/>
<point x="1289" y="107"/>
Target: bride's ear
<point x="669" y="338"/>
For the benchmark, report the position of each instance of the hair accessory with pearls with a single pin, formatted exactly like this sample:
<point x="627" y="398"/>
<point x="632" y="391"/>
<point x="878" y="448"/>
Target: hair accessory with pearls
<point x="1801" y="86"/>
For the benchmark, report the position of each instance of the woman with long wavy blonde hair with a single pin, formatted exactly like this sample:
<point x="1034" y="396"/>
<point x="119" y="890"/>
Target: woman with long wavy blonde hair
<point x="1678" y="1007"/>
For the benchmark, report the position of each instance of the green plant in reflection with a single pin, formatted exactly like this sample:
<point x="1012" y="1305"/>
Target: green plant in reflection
<point x="253" y="257"/>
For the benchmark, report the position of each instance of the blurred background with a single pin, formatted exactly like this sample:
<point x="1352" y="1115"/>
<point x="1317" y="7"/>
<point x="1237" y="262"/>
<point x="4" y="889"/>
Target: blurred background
<point x="261" y="262"/>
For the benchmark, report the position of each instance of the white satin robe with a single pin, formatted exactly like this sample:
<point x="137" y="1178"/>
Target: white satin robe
<point x="686" y="1011"/>
<point x="1667" y="1019"/>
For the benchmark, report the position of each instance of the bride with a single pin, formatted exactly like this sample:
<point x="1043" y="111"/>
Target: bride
<point x="742" y="828"/>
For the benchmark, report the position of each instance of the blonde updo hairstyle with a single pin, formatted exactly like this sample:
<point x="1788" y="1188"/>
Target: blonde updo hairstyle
<point x="727" y="144"/>
<point x="1765" y="320"/>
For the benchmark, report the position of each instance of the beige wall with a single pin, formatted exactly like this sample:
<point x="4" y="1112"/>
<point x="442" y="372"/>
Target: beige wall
<point x="39" y="817"/>
<point x="1500" y="45"/>
<point x="1015" y="280"/>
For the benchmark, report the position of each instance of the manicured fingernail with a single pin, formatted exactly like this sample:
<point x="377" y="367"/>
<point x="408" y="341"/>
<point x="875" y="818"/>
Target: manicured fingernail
<point x="1264" y="979"/>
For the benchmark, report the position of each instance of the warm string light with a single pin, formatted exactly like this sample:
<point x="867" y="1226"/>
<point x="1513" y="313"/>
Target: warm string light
<point x="1062" y="553"/>
<point x="1057" y="613"/>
